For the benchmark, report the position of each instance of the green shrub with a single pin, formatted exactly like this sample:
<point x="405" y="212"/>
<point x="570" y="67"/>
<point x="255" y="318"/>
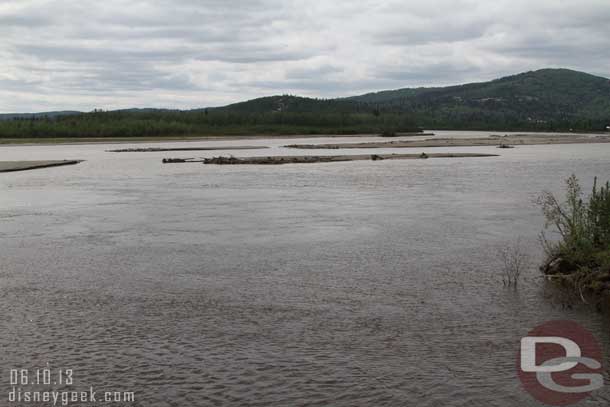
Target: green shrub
<point x="582" y="224"/>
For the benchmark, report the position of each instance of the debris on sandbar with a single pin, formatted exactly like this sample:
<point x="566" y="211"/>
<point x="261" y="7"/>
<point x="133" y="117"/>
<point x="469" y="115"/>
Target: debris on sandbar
<point x="308" y="159"/>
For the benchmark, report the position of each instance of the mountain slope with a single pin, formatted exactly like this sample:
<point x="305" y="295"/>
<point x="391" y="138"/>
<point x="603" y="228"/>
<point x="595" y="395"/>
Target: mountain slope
<point x="292" y="104"/>
<point x="547" y="95"/>
<point x="547" y="99"/>
<point x="575" y="90"/>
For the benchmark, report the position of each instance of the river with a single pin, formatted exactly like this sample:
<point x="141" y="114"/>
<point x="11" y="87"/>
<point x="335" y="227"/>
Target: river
<point x="366" y="283"/>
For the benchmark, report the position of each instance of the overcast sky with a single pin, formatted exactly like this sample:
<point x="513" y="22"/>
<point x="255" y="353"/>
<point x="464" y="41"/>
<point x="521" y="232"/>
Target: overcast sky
<point x="110" y="54"/>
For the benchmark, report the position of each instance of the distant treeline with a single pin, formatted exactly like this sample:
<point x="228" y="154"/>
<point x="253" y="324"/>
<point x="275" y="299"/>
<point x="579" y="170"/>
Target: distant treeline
<point x="162" y="123"/>
<point x="540" y="101"/>
<point x="510" y="114"/>
<point x="479" y="119"/>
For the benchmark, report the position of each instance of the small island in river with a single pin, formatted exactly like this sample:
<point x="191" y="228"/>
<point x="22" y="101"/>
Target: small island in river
<point x="508" y="140"/>
<point x="158" y="149"/>
<point x="308" y="159"/>
<point x="10" y="166"/>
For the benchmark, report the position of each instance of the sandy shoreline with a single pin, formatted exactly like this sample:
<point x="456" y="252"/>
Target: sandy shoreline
<point x="158" y="149"/>
<point x="169" y="139"/>
<point x="10" y="166"/>
<point x="512" y="140"/>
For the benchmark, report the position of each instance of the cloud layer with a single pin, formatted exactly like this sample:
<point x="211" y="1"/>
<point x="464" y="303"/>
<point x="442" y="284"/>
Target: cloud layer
<point x="68" y="54"/>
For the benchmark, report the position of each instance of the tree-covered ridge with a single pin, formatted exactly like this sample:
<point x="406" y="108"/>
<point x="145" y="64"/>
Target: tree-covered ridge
<point x="548" y="99"/>
<point x="293" y="104"/>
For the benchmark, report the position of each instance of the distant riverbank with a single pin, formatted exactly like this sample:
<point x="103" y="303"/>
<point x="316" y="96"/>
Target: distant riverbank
<point x="161" y="139"/>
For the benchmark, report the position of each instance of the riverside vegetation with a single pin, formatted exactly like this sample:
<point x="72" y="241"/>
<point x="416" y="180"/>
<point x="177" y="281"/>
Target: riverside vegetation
<point x="336" y="118"/>
<point x="581" y="256"/>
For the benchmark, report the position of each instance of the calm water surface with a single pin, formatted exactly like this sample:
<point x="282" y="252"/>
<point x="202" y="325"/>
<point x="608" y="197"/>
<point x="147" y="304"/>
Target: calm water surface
<point x="343" y="284"/>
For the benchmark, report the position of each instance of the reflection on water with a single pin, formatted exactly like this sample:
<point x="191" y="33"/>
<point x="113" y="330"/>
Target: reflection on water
<point x="345" y="284"/>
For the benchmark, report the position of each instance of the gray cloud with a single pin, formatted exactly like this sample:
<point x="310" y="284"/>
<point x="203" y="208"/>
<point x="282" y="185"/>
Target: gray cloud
<point x="315" y="72"/>
<point x="190" y="53"/>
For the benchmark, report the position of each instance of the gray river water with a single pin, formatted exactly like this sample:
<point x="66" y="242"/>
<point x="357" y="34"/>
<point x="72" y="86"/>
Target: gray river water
<point x="344" y="284"/>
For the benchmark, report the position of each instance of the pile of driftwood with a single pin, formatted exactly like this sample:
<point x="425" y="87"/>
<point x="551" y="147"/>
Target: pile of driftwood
<point x="180" y="160"/>
<point x="306" y="159"/>
<point x="274" y="160"/>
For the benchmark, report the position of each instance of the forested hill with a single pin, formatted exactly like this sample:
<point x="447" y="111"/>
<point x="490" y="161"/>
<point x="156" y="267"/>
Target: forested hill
<point x="546" y="99"/>
<point x="294" y="104"/>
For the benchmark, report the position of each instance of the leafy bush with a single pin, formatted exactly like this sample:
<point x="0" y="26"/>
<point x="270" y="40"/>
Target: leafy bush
<point x="582" y="254"/>
<point x="583" y="225"/>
